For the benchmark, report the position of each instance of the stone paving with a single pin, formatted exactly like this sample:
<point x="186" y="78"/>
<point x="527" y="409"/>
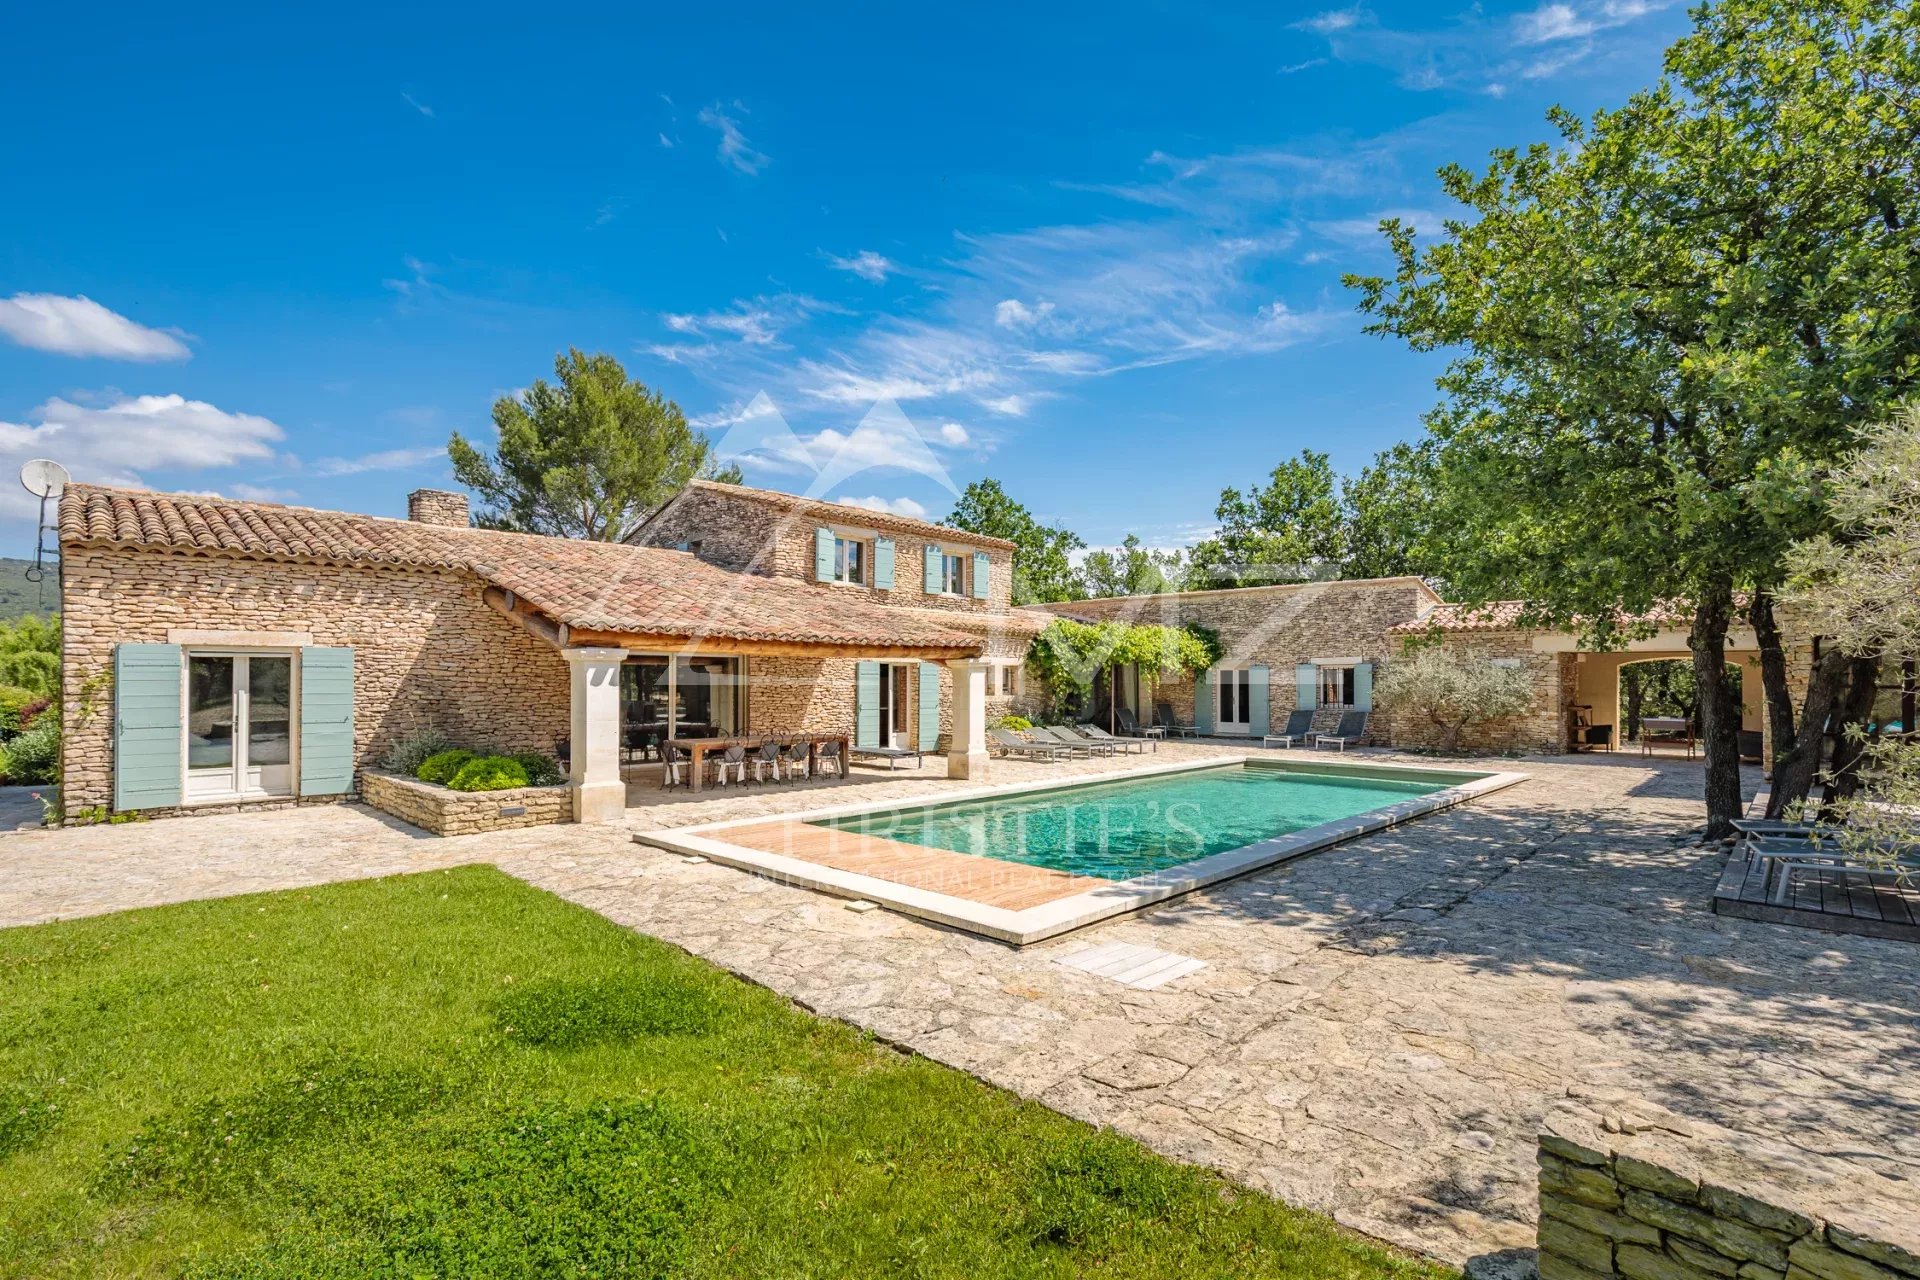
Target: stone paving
<point x="1378" y="1033"/>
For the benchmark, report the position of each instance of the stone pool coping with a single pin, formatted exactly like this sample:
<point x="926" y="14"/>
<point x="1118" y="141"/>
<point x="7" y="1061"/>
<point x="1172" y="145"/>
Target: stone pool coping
<point x="1036" y="924"/>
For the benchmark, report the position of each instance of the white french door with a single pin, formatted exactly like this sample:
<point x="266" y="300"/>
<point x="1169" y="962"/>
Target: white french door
<point x="1234" y="701"/>
<point x="239" y="725"/>
<point x="896" y="726"/>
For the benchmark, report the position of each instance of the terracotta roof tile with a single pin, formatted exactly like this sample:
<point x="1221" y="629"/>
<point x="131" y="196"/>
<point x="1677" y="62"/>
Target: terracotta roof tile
<point x="1506" y="615"/>
<point x="593" y="586"/>
<point x="846" y="513"/>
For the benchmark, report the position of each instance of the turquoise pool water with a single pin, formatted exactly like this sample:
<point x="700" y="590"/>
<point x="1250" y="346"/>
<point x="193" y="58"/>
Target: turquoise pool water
<point x="1119" y="830"/>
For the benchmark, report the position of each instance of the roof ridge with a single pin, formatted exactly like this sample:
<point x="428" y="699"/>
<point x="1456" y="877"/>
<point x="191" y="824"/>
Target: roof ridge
<point x="853" y="510"/>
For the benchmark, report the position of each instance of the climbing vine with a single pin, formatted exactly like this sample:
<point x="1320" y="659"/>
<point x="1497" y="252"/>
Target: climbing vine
<point x="1068" y="656"/>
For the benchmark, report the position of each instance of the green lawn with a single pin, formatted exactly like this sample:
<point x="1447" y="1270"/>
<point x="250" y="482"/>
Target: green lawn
<point x="452" y="1073"/>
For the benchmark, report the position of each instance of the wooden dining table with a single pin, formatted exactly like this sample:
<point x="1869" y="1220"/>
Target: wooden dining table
<point x="697" y="750"/>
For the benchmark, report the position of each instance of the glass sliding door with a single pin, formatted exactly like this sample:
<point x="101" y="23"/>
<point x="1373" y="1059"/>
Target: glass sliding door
<point x="239" y="726"/>
<point x="707" y="694"/>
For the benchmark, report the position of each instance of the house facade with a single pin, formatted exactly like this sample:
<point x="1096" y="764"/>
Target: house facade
<point x="1314" y="646"/>
<point x="222" y="653"/>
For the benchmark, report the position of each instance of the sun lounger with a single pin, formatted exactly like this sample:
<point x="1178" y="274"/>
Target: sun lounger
<point x="1299" y="727"/>
<point x="1097" y="734"/>
<point x="892" y="755"/>
<point x="1352" y="728"/>
<point x="1782" y="857"/>
<point x="1009" y="743"/>
<point x="1071" y="740"/>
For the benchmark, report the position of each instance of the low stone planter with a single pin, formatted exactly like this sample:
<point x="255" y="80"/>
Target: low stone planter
<point x="446" y="812"/>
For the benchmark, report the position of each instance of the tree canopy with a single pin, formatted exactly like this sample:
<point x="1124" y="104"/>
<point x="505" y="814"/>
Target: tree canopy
<point x="1042" y="564"/>
<point x="1290" y="529"/>
<point x="1666" y="324"/>
<point x="1131" y="570"/>
<point x="589" y="455"/>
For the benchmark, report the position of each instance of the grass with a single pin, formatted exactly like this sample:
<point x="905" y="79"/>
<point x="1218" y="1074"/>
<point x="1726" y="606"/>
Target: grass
<point x="454" y="1074"/>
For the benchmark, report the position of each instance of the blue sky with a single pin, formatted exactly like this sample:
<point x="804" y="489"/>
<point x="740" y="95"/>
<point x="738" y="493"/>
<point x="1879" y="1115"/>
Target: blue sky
<point x="1095" y="252"/>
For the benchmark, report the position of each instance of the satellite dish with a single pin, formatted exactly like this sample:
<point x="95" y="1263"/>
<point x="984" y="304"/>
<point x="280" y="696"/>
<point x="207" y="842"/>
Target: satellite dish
<point x="44" y="478"/>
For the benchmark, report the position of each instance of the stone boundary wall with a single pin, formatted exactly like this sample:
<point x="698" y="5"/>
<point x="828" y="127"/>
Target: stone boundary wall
<point x="1653" y="1196"/>
<point x="464" y="813"/>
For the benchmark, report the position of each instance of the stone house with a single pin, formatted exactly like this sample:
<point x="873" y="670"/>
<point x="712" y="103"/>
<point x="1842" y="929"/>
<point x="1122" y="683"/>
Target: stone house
<point x="222" y="653"/>
<point x="1298" y="646"/>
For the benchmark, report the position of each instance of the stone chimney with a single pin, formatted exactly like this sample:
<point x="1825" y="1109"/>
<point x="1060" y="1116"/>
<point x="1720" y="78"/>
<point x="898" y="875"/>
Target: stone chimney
<point x="437" y="506"/>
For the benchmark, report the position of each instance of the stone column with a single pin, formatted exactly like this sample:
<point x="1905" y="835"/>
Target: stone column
<point x="967" y="752"/>
<point x="598" y="793"/>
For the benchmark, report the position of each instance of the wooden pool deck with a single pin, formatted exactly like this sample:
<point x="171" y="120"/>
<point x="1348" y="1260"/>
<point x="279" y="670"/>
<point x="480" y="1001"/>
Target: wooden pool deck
<point x="1835" y="900"/>
<point x="991" y="882"/>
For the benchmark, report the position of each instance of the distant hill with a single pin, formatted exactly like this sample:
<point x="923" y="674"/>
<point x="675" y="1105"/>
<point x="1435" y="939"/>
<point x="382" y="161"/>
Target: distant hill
<point x="18" y="597"/>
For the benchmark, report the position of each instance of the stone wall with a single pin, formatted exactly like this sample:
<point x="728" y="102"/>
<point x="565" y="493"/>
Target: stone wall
<point x="446" y="812"/>
<point x="1647" y="1195"/>
<point x="427" y="649"/>
<point x="742" y="532"/>
<point x="1280" y="626"/>
<point x="1542" y="729"/>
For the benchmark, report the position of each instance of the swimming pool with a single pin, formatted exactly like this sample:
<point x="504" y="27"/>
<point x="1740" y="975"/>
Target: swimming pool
<point x="1122" y="829"/>
<point x="1027" y="862"/>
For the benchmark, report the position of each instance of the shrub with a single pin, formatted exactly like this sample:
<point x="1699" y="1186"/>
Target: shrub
<point x="542" y="771"/>
<point x="34" y="756"/>
<point x="13" y="701"/>
<point x="1019" y="724"/>
<point x="411" y="750"/>
<point x="442" y="765"/>
<point x="489" y="773"/>
<point x="31" y="713"/>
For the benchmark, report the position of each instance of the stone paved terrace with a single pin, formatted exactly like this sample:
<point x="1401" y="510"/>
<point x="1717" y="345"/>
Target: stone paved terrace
<point x="1380" y="1027"/>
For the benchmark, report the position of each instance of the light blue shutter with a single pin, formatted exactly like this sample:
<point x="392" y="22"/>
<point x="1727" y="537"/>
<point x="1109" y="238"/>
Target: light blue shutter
<point x="883" y="563"/>
<point x="933" y="570"/>
<point x="982" y="574"/>
<point x="1363" y="686"/>
<point x="1306" y="686"/>
<point x="326" y="721"/>
<point x="147" y="745"/>
<point x="929" y="706"/>
<point x="1260" y="716"/>
<point x="823" y="555"/>
<point x="1205" y="691"/>
<point x="866" y="705"/>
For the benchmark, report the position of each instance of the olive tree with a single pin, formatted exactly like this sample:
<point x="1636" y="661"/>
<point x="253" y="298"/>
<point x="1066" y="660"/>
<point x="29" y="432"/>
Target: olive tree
<point x="1860" y="588"/>
<point x="1452" y="690"/>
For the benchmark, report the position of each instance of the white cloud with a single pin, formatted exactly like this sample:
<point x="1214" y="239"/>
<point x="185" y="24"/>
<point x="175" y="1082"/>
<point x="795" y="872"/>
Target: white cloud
<point x="666" y="142"/>
<point x="1008" y="406"/>
<point x="421" y="107"/>
<point x="872" y="267"/>
<point x="734" y="150"/>
<point x="113" y="441"/>
<point x="890" y="506"/>
<point x="952" y="433"/>
<point x="82" y="327"/>
<point x="1363" y="232"/>
<point x="1332" y="20"/>
<point x="1011" y="313"/>
<point x="756" y="321"/>
<point x="383" y="460"/>
<point x="1551" y="22"/>
<point x="1305" y="64"/>
<point x="886" y="439"/>
<point x="260" y="493"/>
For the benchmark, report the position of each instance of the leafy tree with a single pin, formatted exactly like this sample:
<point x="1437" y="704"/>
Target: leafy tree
<point x="1290" y="530"/>
<point x="1131" y="570"/>
<point x="587" y="456"/>
<point x="30" y="654"/>
<point x="1042" y="567"/>
<point x="1385" y="509"/>
<point x="1452" y="690"/>
<point x="1667" y="325"/>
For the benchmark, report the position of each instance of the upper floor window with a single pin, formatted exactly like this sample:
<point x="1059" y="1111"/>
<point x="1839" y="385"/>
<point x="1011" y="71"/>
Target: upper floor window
<point x="849" y="560"/>
<point x="1336" y="686"/>
<point x="953" y="574"/>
